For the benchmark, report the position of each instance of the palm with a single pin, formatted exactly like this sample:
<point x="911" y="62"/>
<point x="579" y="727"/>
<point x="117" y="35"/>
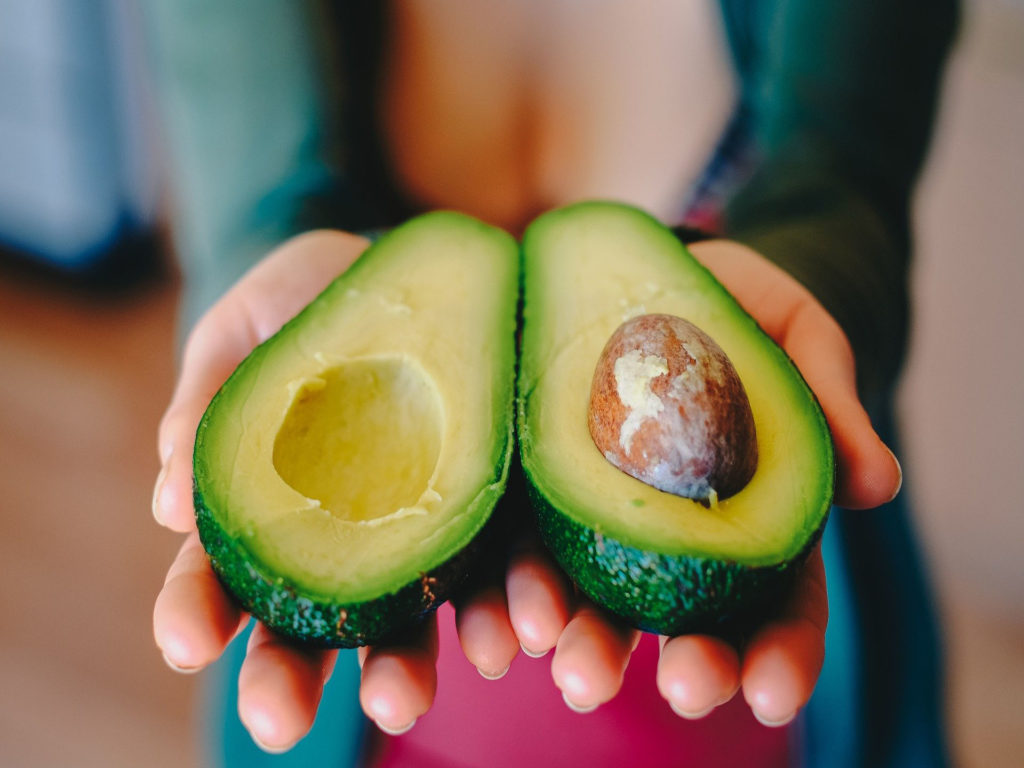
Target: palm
<point x="280" y="684"/>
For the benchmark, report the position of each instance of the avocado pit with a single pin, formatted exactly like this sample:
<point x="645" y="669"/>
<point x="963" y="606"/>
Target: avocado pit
<point x="668" y="408"/>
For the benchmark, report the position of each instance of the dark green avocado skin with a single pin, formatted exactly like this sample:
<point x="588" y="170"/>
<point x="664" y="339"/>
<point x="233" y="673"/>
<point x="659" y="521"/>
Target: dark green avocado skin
<point x="318" y="621"/>
<point x="666" y="594"/>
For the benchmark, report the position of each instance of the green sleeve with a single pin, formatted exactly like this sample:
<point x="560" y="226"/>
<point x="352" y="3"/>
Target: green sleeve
<point x="841" y="97"/>
<point x="248" y="98"/>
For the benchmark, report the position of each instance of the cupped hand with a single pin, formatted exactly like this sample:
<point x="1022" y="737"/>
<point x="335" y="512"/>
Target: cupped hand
<point x="778" y="667"/>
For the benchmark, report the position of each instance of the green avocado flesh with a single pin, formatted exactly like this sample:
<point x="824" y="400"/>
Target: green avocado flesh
<point x="346" y="466"/>
<point x="662" y="562"/>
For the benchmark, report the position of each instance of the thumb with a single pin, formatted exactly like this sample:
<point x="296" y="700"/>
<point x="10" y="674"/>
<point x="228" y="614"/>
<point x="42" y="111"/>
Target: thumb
<point x="867" y="472"/>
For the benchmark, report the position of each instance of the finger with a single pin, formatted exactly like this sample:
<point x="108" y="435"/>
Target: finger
<point x="782" y="661"/>
<point x="591" y="657"/>
<point x="279" y="689"/>
<point x="194" y="619"/>
<point x="697" y="673"/>
<point x="399" y="680"/>
<point x="486" y="634"/>
<point x="868" y="473"/>
<point x="539" y="599"/>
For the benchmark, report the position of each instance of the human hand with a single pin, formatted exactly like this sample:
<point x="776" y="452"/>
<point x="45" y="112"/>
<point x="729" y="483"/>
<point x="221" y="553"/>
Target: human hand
<point x="778" y="666"/>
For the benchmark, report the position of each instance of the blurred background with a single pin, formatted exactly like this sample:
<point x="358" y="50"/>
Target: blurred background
<point x="88" y="298"/>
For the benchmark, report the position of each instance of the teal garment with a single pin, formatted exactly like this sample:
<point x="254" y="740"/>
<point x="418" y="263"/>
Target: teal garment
<point x="265" y="105"/>
<point x="248" y="92"/>
<point x="879" y="700"/>
<point x="242" y="108"/>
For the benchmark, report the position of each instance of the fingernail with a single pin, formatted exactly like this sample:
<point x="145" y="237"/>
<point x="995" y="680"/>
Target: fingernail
<point x="493" y="676"/>
<point x="691" y="715"/>
<point x="259" y="721"/>
<point x="267" y="748"/>
<point x="576" y="707"/>
<point x="533" y="654"/>
<point x="899" y="469"/>
<point x="396" y="731"/>
<point x="157" y="488"/>
<point x="773" y="723"/>
<point x="179" y="669"/>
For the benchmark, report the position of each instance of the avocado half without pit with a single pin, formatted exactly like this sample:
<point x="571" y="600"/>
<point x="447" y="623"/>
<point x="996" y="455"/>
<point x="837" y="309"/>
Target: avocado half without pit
<point x="687" y="495"/>
<point x="346" y="468"/>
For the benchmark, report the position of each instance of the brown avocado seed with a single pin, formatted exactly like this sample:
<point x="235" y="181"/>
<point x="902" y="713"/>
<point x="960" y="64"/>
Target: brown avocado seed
<point x="667" y="407"/>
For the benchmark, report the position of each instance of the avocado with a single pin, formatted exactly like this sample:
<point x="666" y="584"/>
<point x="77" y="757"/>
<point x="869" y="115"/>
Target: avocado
<point x="662" y="562"/>
<point x="346" y="468"/>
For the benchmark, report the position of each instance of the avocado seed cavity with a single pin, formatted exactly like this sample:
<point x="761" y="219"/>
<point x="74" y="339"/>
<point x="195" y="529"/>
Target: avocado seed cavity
<point x="668" y="408"/>
<point x="337" y="444"/>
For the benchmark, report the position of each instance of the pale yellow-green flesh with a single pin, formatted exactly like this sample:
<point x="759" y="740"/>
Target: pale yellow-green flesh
<point x="356" y="444"/>
<point x="367" y="419"/>
<point x="628" y="270"/>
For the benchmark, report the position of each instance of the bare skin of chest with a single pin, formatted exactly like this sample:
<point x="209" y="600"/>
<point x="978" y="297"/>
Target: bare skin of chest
<point x="506" y="108"/>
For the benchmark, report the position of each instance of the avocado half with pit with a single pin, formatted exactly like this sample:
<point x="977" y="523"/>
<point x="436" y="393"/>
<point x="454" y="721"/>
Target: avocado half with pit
<point x="661" y="562"/>
<point x="346" y="468"/>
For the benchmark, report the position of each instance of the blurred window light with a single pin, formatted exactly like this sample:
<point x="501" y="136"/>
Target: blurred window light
<point x="77" y="164"/>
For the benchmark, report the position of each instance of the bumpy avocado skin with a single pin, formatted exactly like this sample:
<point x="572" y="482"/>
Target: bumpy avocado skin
<point x="670" y="595"/>
<point x="315" y="620"/>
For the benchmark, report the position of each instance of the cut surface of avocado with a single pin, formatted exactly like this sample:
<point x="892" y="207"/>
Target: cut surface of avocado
<point x="661" y="561"/>
<point x="348" y="463"/>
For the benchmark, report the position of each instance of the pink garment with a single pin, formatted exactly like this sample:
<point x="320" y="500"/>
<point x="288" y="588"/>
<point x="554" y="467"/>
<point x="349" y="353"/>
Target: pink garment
<point x="521" y="720"/>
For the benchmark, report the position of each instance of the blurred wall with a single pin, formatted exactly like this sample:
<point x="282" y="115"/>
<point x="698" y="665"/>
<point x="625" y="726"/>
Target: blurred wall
<point x="963" y="393"/>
